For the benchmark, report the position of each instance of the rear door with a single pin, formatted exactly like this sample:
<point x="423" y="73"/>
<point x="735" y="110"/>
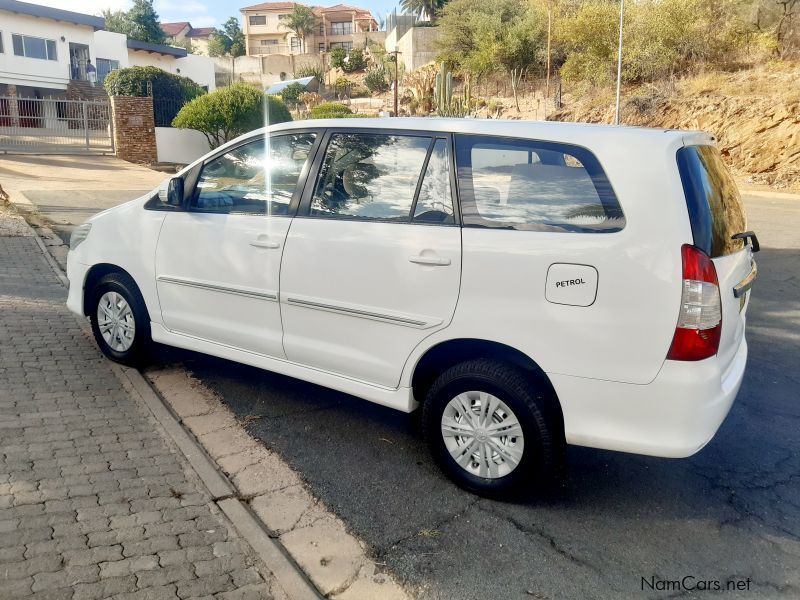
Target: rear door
<point x="373" y="259"/>
<point x="717" y="214"/>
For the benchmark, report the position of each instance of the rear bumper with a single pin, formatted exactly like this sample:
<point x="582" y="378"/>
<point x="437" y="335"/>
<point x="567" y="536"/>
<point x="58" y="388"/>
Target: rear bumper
<point x="674" y="416"/>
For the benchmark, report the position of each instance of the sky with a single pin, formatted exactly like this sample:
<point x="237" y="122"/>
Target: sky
<point x="201" y="13"/>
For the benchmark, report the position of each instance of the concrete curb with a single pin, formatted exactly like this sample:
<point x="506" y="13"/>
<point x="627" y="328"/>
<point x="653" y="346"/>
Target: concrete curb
<point x="289" y="576"/>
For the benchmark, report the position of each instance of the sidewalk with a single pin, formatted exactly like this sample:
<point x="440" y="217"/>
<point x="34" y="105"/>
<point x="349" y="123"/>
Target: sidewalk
<point x="94" y="501"/>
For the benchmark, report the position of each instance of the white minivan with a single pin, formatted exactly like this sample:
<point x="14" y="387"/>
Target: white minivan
<point x="526" y="284"/>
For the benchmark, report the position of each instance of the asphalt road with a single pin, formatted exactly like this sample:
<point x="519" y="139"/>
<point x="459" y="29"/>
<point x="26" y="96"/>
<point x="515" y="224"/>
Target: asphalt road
<point x="729" y="513"/>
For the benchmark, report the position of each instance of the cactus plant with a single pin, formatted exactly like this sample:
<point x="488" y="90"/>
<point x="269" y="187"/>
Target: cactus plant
<point x="446" y="105"/>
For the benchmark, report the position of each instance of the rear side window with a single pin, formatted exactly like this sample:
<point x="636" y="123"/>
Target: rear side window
<point x="531" y="185"/>
<point x="384" y="177"/>
<point x="715" y="207"/>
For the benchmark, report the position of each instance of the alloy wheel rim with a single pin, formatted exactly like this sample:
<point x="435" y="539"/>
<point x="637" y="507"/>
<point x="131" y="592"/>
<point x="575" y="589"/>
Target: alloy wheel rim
<point x="482" y="434"/>
<point x="115" y="321"/>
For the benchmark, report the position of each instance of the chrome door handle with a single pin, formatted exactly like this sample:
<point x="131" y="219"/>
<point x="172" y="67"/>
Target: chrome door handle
<point x="261" y="244"/>
<point x="434" y="261"/>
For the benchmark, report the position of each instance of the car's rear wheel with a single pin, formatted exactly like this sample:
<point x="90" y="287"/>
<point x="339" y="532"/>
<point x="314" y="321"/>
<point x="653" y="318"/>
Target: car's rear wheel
<point x="119" y="319"/>
<point x="492" y="428"/>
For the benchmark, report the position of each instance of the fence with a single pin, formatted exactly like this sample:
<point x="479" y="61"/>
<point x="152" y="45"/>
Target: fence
<point x="54" y="125"/>
<point x="165" y="109"/>
<point x="532" y="86"/>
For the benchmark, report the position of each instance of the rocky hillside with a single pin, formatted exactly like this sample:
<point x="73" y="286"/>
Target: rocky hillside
<point x="755" y="114"/>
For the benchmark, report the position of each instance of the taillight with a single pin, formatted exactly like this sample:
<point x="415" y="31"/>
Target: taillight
<point x="700" y="320"/>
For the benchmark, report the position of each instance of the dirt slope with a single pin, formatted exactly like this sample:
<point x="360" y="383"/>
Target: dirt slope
<point x="755" y="114"/>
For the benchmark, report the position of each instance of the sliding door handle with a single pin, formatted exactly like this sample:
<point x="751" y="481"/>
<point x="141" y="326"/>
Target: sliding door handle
<point x="265" y="244"/>
<point x="434" y="261"/>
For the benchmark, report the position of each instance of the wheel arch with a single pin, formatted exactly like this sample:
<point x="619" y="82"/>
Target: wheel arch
<point x="447" y="353"/>
<point x="96" y="273"/>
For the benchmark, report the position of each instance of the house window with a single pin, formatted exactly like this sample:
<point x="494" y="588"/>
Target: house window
<point x="345" y="45"/>
<point x="268" y="42"/>
<point x="1" y="42"/>
<point x="345" y="28"/>
<point x="257" y="20"/>
<point x="295" y="43"/>
<point x="34" y="47"/>
<point x="322" y="28"/>
<point x="322" y="46"/>
<point x="104" y="67"/>
<point x="282" y="17"/>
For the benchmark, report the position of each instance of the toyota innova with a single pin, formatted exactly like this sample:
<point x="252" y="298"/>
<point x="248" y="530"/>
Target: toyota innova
<point x="527" y="285"/>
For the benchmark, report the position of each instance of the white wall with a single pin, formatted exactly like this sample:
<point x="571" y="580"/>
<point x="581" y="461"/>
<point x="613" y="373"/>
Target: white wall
<point x="180" y="145"/>
<point x="110" y="45"/>
<point x="200" y="69"/>
<point x="50" y="74"/>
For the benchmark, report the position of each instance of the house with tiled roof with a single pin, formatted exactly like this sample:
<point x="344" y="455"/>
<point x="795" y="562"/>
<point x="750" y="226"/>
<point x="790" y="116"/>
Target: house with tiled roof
<point x="182" y="32"/>
<point x="342" y="26"/>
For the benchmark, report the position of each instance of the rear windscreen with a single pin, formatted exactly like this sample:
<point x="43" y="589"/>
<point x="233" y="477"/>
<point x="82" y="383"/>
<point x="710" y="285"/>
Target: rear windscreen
<point x="715" y="207"/>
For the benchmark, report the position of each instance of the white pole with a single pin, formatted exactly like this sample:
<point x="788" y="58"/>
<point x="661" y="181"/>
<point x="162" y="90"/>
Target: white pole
<point x="619" y="59"/>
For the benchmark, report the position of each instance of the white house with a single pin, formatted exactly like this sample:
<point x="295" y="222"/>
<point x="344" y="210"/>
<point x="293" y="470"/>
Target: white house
<point x="43" y="50"/>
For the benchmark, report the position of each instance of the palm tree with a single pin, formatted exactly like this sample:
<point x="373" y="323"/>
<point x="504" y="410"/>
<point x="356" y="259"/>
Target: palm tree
<point x="429" y="8"/>
<point x="301" y="21"/>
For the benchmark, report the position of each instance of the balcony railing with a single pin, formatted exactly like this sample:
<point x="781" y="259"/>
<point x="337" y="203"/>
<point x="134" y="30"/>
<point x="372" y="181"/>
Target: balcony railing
<point x="273" y="49"/>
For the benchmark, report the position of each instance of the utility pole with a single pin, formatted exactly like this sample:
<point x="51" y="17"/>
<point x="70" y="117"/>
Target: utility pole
<point x="396" y="53"/>
<point x="619" y="59"/>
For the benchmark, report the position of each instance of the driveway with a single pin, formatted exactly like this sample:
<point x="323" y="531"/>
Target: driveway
<point x="619" y="523"/>
<point x="66" y="190"/>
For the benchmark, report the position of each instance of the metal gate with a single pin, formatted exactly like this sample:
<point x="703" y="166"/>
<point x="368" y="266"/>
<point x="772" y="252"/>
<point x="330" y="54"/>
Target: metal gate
<point x="55" y="126"/>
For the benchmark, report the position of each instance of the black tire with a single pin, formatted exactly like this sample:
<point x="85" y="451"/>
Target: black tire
<point x="532" y="404"/>
<point x="137" y="354"/>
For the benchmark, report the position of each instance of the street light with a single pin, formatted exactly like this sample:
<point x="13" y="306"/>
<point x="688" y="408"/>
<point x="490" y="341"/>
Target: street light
<point x="395" y="54"/>
<point x="619" y="59"/>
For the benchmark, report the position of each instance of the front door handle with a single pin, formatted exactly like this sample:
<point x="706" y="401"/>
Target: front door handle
<point x="265" y="244"/>
<point x="435" y="261"/>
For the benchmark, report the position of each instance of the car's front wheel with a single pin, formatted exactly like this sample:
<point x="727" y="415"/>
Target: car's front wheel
<point x="119" y="319"/>
<point x="491" y="428"/>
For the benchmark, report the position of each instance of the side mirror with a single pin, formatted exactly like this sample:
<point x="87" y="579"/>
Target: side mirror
<point x="175" y="192"/>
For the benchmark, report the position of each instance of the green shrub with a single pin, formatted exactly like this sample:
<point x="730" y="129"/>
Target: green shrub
<point x="375" y="80"/>
<point x="337" y="57"/>
<point x="310" y="70"/>
<point x="291" y="93"/>
<point x="342" y="85"/>
<point x="229" y="112"/>
<point x="355" y="61"/>
<point x="132" y="81"/>
<point x="170" y="92"/>
<point x="348" y="61"/>
<point x="331" y="110"/>
<point x="359" y="91"/>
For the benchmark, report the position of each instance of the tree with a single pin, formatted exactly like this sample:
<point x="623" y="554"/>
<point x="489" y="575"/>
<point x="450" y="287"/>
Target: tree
<point x="139" y="23"/>
<point x="428" y="8"/>
<point x="228" y="41"/>
<point x="301" y="21"/>
<point x="483" y="38"/>
<point x="230" y="112"/>
<point x="116" y="21"/>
